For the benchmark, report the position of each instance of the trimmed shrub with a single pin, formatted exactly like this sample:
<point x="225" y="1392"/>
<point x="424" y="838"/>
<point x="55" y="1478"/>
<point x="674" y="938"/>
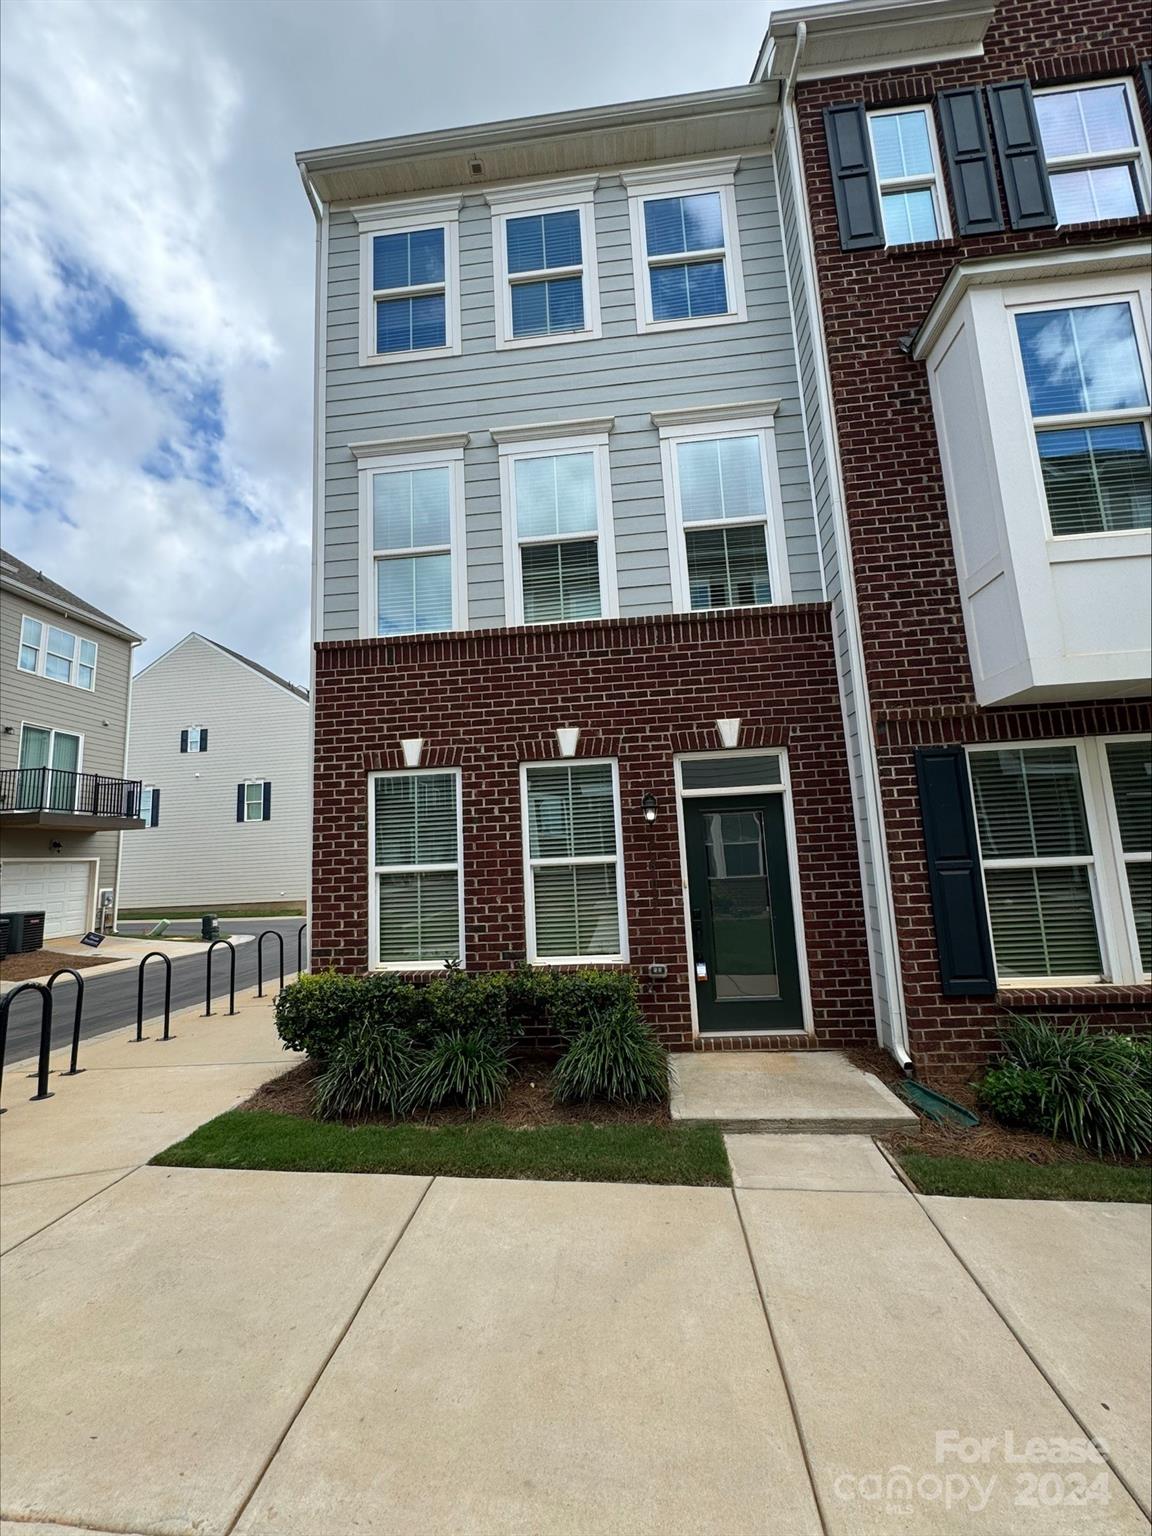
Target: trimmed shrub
<point x="460" y="1004"/>
<point x="1096" y="1086"/>
<point x="573" y="1000"/>
<point x="470" y="1069"/>
<point x="615" y="1058"/>
<point x="1013" y="1095"/>
<point x="370" y="1071"/>
<point x="316" y="1012"/>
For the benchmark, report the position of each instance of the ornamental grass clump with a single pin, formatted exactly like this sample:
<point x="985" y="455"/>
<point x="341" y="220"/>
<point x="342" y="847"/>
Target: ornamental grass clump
<point x="368" y="1073"/>
<point x="468" y="1068"/>
<point x="614" y="1058"/>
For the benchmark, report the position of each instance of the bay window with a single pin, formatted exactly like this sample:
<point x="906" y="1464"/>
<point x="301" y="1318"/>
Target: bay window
<point x="574" y="887"/>
<point x="416" y="899"/>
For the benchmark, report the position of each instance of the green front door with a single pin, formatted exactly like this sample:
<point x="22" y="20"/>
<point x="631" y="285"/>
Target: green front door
<point x="743" y="936"/>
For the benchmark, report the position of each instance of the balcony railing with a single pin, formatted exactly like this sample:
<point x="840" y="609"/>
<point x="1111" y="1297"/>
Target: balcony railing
<point x="71" y="794"/>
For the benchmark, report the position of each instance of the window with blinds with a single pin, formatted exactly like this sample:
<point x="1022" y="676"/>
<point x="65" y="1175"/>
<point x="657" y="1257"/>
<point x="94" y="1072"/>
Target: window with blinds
<point x="412" y="526"/>
<point x="560" y="531"/>
<point x="1097" y="167"/>
<point x="573" y="875"/>
<point x="719" y="489"/>
<point x="409" y="291"/>
<point x="1130" y="777"/>
<point x="415" y="841"/>
<point x="1088" y="392"/>
<point x="545" y="257"/>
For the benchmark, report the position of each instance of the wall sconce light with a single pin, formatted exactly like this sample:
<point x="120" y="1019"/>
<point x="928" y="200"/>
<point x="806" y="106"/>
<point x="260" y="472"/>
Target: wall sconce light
<point x="55" y="846"/>
<point x="648" y="806"/>
<point x="9" y="730"/>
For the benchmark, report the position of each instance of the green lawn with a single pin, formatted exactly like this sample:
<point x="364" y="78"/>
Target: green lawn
<point x="1013" y="1180"/>
<point x="179" y="914"/>
<point x="616" y="1154"/>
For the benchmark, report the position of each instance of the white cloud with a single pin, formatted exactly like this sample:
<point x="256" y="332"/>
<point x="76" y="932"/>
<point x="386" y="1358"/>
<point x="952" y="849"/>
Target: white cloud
<point x="151" y="164"/>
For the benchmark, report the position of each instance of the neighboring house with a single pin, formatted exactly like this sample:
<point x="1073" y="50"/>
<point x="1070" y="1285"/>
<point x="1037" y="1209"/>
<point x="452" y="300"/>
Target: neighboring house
<point x="220" y="745"/>
<point x="966" y="189"/>
<point x="575" y="680"/>
<point x="65" y="794"/>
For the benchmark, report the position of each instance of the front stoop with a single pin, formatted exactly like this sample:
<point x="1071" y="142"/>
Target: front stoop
<point x="816" y="1091"/>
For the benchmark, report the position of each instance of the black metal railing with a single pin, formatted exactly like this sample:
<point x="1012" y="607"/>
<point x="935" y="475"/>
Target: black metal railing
<point x="57" y="789"/>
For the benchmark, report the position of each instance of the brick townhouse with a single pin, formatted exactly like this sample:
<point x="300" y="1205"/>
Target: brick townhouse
<point x="975" y="176"/>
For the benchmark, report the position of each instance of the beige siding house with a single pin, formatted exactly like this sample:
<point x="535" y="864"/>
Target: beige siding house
<point x="220" y="745"/>
<point x="65" y="793"/>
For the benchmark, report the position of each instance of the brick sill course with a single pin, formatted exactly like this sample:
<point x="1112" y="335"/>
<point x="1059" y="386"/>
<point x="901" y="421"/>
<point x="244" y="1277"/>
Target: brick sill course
<point x="1100" y="996"/>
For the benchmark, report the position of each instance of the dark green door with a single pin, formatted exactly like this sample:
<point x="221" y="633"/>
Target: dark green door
<point x="743" y="934"/>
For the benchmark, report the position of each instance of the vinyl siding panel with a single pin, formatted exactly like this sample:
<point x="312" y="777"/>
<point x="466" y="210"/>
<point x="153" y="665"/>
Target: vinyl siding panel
<point x="620" y="374"/>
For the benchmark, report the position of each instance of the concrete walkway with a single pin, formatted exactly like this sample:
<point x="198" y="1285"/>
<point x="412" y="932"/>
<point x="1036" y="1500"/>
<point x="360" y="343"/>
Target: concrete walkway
<point x="202" y="1352"/>
<point x="786" y="1091"/>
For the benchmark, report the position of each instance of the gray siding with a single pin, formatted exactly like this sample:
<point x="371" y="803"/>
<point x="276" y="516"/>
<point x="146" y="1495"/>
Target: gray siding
<point x="621" y="374"/>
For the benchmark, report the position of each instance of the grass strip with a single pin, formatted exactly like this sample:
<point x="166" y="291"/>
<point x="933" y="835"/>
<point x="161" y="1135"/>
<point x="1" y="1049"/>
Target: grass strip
<point x="183" y="914"/>
<point x="614" y="1154"/>
<point x="1016" y="1180"/>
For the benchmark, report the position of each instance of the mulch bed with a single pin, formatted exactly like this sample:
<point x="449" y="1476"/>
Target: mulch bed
<point x="527" y="1105"/>
<point x="42" y="962"/>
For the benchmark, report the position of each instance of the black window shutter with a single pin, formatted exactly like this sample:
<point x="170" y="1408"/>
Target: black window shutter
<point x="853" y="177"/>
<point x="155" y="822"/>
<point x="239" y="802"/>
<point x="203" y="739"/>
<point x="267" y="800"/>
<point x="183" y="741"/>
<point x="969" y="154"/>
<point x="1022" y="165"/>
<point x="962" y="938"/>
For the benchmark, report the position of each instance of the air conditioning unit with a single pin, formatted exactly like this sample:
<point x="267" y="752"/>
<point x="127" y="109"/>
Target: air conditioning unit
<point x="25" y="931"/>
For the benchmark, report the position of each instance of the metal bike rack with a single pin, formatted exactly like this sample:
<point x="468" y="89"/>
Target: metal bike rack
<point x="269" y="933"/>
<point x="301" y="931"/>
<point x="66" y="970"/>
<point x="231" y="948"/>
<point x="45" y="1031"/>
<point x="154" y="954"/>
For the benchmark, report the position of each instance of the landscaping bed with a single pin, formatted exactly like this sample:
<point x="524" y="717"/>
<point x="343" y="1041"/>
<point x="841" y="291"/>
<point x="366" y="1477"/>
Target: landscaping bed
<point x="42" y="962"/>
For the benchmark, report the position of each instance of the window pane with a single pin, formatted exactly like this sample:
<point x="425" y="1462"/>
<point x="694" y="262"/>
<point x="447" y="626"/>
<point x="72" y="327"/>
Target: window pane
<point x="688" y="292"/>
<point x="406" y="261"/>
<point x="416" y="819"/>
<point x="576" y="911"/>
<point x="544" y="240"/>
<point x="254" y="802"/>
<point x="1043" y="923"/>
<point x="909" y="216"/>
<point x="901" y="145"/>
<point x="1096" y="192"/>
<point x="1098" y="479"/>
<point x="674" y="224"/>
<point x="1140" y="890"/>
<point x="28" y="659"/>
<point x="412" y="508"/>
<point x="58" y="667"/>
<point x="1130" y="769"/>
<point x="720" y="478"/>
<point x="407" y="325"/>
<point x="86" y="677"/>
<point x="1082" y="359"/>
<point x="1029" y="803"/>
<point x="88" y="653"/>
<point x="560" y="582"/>
<point x="555" y="495"/>
<point x="570" y="811"/>
<point x="31" y="631"/>
<point x="419" y="916"/>
<point x="542" y="309"/>
<point x="413" y="595"/>
<point x="728" y="567"/>
<point x="1085" y="121"/>
<point x="35" y="745"/>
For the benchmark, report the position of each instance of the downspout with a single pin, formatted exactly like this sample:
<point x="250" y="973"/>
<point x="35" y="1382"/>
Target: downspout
<point x="320" y="214"/>
<point x="793" y="68"/>
<point x="124" y="774"/>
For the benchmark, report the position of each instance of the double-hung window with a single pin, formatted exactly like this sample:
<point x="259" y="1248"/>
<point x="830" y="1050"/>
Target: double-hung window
<point x="1087" y="388"/>
<point x="558" y="557"/>
<point x="574" y="882"/>
<point x="545" y="259"/>
<point x="686" y="247"/>
<point x="409" y="281"/>
<point x="412" y="543"/>
<point x="912" y="198"/>
<point x="1095" y="151"/>
<point x="416" y="894"/>
<point x="254" y="800"/>
<point x="722" y="496"/>
<point x="1065" y="832"/>
<point x="57" y="654"/>
<point x="194" y="739"/>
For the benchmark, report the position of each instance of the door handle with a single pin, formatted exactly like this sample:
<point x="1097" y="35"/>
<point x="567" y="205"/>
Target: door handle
<point x="697" y="927"/>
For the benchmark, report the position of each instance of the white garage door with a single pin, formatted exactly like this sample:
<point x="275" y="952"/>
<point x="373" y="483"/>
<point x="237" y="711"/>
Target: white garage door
<point x="60" y="888"/>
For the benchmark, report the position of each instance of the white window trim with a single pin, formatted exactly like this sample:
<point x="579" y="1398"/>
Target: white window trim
<point x="761" y="427"/>
<point x="249" y="784"/>
<point x="42" y="653"/>
<point x="1135" y="966"/>
<point x="147" y="791"/>
<point x="53" y="732"/>
<point x="374" y="869"/>
<point x="933" y="183"/>
<point x="1136" y="154"/>
<point x="197" y="749"/>
<point x="523" y="202"/>
<point x="685" y="181"/>
<point x="404" y="219"/>
<point x="529" y="863"/>
<point x="1072" y="545"/>
<point x="595" y="443"/>
<point x="1115" y="928"/>
<point x="451" y="459"/>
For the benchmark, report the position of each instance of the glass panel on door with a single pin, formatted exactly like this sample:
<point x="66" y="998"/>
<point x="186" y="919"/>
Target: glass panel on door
<point x="745" y="950"/>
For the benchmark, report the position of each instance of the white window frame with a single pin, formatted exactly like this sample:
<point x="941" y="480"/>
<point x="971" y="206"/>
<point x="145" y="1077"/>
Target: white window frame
<point x="577" y="196"/>
<point x="374" y="869"/>
<point x="762" y="426"/>
<point x="1082" y="298"/>
<point x="39" y="670"/>
<point x="595" y="443"/>
<point x="530" y="863"/>
<point x="1135" y="967"/>
<point x="1115" y="927"/>
<point x="654" y="182"/>
<point x="147" y="791"/>
<point x="451" y="459"/>
<point x="1136" y="154"/>
<point x="252" y="784"/>
<point x="403" y="219"/>
<point x="924" y="182"/>
<point x="53" y="732"/>
<point x="197" y="731"/>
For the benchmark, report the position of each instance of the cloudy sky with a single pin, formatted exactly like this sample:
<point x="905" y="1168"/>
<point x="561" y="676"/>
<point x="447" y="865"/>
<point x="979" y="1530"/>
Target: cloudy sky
<point x="158" y="248"/>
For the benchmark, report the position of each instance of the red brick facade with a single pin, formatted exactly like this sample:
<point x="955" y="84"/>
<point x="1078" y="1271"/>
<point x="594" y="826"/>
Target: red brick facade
<point x="913" y="635"/>
<point x="641" y="691"/>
